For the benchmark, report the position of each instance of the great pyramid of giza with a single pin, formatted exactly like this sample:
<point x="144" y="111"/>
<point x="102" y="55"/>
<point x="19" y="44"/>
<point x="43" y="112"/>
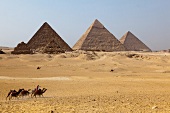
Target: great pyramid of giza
<point x="98" y="38"/>
<point x="41" y="41"/>
<point x="132" y="43"/>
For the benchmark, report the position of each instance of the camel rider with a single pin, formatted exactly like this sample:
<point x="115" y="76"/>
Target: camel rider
<point x="37" y="88"/>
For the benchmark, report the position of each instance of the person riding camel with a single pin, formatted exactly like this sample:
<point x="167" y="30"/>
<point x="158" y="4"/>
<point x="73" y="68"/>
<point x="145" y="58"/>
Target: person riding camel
<point x="38" y="88"/>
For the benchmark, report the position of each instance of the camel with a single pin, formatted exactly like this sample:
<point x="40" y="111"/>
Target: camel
<point x="10" y="93"/>
<point x="24" y="93"/>
<point x="38" y="92"/>
<point x="13" y="93"/>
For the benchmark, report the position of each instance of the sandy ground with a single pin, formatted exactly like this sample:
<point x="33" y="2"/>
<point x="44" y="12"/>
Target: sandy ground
<point x="82" y="82"/>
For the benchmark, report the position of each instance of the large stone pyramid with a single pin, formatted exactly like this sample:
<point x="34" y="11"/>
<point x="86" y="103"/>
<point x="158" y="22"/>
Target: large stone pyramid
<point x="43" y="41"/>
<point x="132" y="43"/>
<point x="45" y="35"/>
<point x="98" y="38"/>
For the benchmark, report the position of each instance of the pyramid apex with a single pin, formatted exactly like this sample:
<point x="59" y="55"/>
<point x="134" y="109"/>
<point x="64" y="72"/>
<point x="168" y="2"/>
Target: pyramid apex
<point x="96" y="20"/>
<point x="45" y="23"/>
<point x="129" y="32"/>
<point x="97" y="24"/>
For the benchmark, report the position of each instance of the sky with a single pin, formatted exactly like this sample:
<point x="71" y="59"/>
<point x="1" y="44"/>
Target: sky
<point x="149" y="20"/>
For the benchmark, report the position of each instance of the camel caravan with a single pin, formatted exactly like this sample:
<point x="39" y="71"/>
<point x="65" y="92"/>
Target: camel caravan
<point x="26" y="93"/>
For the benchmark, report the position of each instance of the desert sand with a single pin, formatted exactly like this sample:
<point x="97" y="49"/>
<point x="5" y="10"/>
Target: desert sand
<point x="82" y="82"/>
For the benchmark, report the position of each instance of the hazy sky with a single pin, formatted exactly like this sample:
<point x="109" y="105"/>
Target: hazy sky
<point x="149" y="20"/>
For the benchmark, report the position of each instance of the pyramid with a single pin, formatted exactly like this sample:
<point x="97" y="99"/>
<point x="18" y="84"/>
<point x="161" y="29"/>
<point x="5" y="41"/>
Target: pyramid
<point x="98" y="38"/>
<point x="45" y="35"/>
<point x="132" y="43"/>
<point x="44" y="41"/>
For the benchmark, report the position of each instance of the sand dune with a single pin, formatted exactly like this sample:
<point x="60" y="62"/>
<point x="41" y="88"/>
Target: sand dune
<point x="79" y="82"/>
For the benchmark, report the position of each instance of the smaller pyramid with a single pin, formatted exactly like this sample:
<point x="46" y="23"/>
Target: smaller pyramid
<point x="22" y="48"/>
<point x="132" y="43"/>
<point x="98" y="38"/>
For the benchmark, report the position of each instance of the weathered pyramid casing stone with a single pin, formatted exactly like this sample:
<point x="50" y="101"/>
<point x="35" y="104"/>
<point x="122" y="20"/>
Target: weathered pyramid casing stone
<point x="132" y="43"/>
<point x="45" y="35"/>
<point x="98" y="38"/>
